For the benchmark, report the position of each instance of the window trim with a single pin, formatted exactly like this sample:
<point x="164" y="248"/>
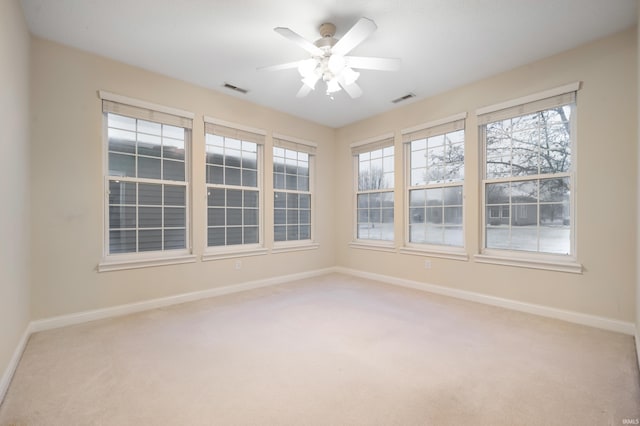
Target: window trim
<point x="310" y="148"/>
<point x="237" y="250"/>
<point x="522" y="258"/>
<point x="374" y="143"/>
<point x="425" y="130"/>
<point x="122" y="261"/>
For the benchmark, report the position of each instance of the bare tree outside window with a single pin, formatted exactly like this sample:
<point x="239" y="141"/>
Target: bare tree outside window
<point x="374" y="196"/>
<point x="528" y="166"/>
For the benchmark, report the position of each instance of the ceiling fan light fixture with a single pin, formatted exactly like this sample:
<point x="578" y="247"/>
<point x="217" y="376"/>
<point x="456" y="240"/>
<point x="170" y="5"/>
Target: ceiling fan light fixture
<point x="336" y="64"/>
<point x="311" y="80"/>
<point x="307" y="67"/>
<point x="332" y="86"/>
<point x="350" y="76"/>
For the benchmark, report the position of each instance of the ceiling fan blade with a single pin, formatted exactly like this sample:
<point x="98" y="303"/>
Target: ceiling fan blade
<point x="279" y="66"/>
<point x="304" y="91"/>
<point x="380" y="64"/>
<point x="360" y="31"/>
<point x="352" y="89"/>
<point x="297" y="39"/>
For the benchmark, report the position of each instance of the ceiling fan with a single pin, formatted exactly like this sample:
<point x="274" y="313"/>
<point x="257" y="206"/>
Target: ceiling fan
<point x="329" y="61"/>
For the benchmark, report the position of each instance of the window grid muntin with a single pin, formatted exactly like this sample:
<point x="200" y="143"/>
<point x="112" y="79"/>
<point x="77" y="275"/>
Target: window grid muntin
<point x="375" y="221"/>
<point x="449" y="176"/>
<point x="235" y="231"/>
<point x="291" y="181"/>
<point x="567" y="174"/>
<point x="167" y="136"/>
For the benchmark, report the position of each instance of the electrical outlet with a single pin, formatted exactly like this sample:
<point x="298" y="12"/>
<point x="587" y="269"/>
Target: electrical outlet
<point x="427" y="264"/>
<point x="238" y="264"/>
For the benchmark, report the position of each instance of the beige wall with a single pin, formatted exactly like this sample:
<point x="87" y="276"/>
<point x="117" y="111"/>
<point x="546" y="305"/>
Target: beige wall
<point x="67" y="228"/>
<point x="606" y="185"/>
<point x="14" y="175"/>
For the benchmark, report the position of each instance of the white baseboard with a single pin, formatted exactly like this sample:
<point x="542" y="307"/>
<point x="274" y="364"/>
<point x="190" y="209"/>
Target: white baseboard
<point x="5" y="380"/>
<point x="114" y="311"/>
<point x="545" y="311"/>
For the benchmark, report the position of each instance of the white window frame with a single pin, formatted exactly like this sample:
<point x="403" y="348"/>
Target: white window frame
<point x="433" y="128"/>
<point x="244" y="133"/>
<point x="517" y="107"/>
<point x="368" y="145"/>
<point x="310" y="148"/>
<point x="135" y="108"/>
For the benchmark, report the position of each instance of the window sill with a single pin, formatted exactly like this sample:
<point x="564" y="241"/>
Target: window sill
<point x="569" y="265"/>
<point x="453" y="254"/>
<point x="233" y="253"/>
<point x="117" y="265"/>
<point x="378" y="246"/>
<point x="294" y="247"/>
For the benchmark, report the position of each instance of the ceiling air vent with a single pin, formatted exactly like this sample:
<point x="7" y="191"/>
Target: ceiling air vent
<point x="404" y="98"/>
<point x="236" y="88"/>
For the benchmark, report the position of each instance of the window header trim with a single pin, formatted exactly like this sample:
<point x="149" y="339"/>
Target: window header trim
<point x="513" y="107"/>
<point x="119" y="104"/>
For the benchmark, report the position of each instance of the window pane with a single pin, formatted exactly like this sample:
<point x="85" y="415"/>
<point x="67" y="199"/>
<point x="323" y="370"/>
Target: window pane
<point x="453" y="236"/>
<point x="174" y="217"/>
<point x="150" y="146"/>
<point x="280" y="233"/>
<point x="234" y="198"/>
<point x="150" y="217"/>
<point x="249" y="178"/>
<point x="304" y="201"/>
<point x="292" y="217"/>
<point x="216" y="197"/>
<point x="150" y="240"/>
<point x="174" y="195"/>
<point x="251" y="235"/>
<point x="280" y="217"/>
<point x="250" y="217"/>
<point x="554" y="189"/>
<point x="149" y="168"/>
<point x="555" y="231"/>
<point x="122" y="217"/>
<point x="122" y="192"/>
<point x="215" y="236"/>
<point x="250" y="198"/>
<point x="417" y="197"/>
<point x="215" y="175"/>
<point x="173" y="148"/>
<point x="305" y="232"/>
<point x="292" y="201"/>
<point x="232" y="157"/>
<point x="173" y="170"/>
<point x="497" y="193"/>
<point x="305" y="216"/>
<point x="216" y="216"/>
<point x="122" y="141"/>
<point x="453" y="195"/>
<point x="149" y="127"/>
<point x="173" y="132"/>
<point x="150" y="194"/>
<point x="121" y="122"/>
<point x="122" y="241"/>
<point x="234" y="217"/>
<point x="292" y="232"/>
<point x="215" y="154"/>
<point x="234" y="236"/>
<point x="232" y="176"/>
<point x="280" y="200"/>
<point x="122" y="165"/>
<point x="174" y="239"/>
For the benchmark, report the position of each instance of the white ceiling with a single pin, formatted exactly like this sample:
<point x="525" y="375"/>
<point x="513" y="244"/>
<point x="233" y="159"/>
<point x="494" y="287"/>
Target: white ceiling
<point x="442" y="43"/>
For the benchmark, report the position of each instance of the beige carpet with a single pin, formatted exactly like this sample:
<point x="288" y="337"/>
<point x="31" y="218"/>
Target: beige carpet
<point x="334" y="350"/>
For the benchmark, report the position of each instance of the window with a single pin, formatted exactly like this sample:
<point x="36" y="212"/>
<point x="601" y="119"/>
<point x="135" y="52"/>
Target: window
<point x="528" y="172"/>
<point x="292" y="195"/>
<point x="234" y="182"/>
<point x="435" y="178"/>
<point x="374" y="190"/>
<point x="147" y="180"/>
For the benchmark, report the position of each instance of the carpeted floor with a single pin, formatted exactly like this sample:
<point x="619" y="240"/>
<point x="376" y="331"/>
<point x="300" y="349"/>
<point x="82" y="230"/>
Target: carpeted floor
<point x="333" y="350"/>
